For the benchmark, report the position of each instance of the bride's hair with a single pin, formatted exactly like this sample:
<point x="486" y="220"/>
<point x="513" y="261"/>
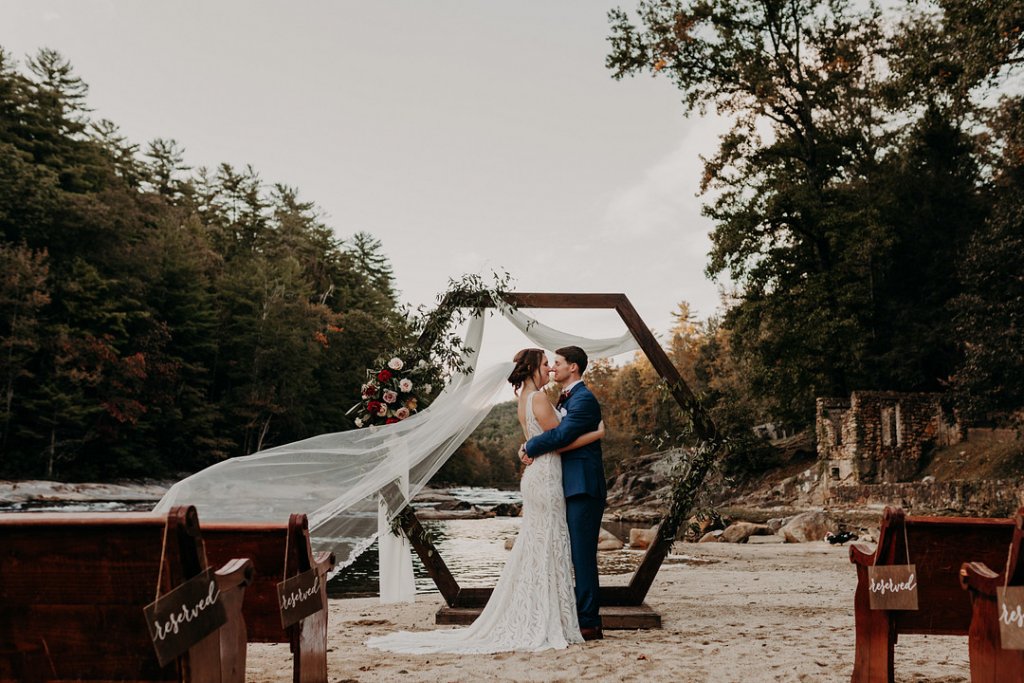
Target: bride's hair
<point x="527" y="362"/>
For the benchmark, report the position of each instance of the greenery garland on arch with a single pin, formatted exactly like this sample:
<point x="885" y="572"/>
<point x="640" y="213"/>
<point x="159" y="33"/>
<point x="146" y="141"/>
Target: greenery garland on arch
<point x="408" y="379"/>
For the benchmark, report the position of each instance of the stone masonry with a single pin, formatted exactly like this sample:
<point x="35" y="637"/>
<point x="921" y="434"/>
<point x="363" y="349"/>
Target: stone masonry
<point x="879" y="437"/>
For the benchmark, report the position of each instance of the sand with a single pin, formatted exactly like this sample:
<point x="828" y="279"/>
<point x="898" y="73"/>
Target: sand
<point x="753" y="612"/>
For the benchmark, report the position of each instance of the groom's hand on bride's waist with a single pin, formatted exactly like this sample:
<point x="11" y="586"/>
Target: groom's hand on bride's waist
<point x="526" y="460"/>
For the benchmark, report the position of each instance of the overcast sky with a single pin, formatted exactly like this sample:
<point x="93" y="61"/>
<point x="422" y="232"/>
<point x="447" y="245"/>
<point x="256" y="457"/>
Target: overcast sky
<point x="466" y="136"/>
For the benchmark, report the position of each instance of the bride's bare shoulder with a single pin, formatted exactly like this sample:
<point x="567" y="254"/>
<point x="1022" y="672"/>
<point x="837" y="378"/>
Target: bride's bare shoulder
<point x="543" y="409"/>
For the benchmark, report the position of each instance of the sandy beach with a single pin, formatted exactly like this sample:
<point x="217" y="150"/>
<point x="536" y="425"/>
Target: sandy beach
<point x="731" y="612"/>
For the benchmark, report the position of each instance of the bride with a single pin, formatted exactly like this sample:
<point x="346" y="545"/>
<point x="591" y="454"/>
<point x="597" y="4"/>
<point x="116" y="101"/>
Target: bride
<point x="533" y="606"/>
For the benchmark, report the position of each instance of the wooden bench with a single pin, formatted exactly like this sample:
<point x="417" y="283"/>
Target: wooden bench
<point x="989" y="662"/>
<point x="266" y="545"/>
<point x="73" y="588"/>
<point x="938" y="547"/>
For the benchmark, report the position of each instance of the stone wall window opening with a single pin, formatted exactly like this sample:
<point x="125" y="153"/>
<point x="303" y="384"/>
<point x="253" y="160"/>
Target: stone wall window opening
<point x="888" y="419"/>
<point x="835" y="417"/>
<point x="835" y="473"/>
<point x="898" y="425"/>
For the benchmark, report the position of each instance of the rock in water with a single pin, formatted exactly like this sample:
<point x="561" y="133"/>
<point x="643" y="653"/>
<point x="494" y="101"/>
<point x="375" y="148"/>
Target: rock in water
<point x="507" y="510"/>
<point x="642" y="538"/>
<point x="606" y="540"/>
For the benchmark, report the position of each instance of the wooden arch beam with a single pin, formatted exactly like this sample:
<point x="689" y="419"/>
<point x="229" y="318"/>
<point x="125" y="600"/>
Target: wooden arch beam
<point x="465" y="603"/>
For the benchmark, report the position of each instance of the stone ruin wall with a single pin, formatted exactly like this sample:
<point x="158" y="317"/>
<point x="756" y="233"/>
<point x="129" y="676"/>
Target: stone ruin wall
<point x="871" y="446"/>
<point x="877" y="437"/>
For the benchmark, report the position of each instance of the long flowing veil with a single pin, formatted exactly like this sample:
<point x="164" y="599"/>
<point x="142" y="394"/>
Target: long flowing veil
<point x="351" y="484"/>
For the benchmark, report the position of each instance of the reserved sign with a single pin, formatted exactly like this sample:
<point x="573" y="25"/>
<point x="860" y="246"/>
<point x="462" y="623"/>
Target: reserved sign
<point x="1011" y="617"/>
<point x="893" y="586"/>
<point x="180" y="619"/>
<point x="299" y="597"/>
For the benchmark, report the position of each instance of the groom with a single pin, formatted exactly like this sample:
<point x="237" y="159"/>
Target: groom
<point x="582" y="479"/>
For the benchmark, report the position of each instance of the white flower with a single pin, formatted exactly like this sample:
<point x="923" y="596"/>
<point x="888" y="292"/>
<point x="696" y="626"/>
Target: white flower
<point x="422" y="365"/>
<point x="395" y="363"/>
<point x="359" y="422"/>
<point x="390" y="396"/>
<point x="405" y="385"/>
<point x="382" y="411"/>
<point x="402" y="413"/>
<point x="427" y="388"/>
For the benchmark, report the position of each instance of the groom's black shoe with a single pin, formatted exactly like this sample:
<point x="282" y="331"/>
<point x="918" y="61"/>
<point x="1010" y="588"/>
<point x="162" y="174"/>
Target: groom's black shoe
<point x="592" y="633"/>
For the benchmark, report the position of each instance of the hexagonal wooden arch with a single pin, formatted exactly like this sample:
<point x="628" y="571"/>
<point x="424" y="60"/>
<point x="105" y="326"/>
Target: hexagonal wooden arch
<point x="621" y="606"/>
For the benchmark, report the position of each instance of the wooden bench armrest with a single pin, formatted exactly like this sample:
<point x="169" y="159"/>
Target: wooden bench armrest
<point x="236" y="573"/>
<point x="978" y="577"/>
<point x="862" y="554"/>
<point x="324" y="561"/>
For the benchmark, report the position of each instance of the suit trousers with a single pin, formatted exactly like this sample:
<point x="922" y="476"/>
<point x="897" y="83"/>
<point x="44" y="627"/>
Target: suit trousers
<point x="583" y="514"/>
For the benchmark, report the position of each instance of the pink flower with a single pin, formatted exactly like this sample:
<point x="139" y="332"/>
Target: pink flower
<point x="390" y="396"/>
<point x="402" y="413"/>
<point x="396" y="363"/>
<point x="382" y="411"/>
<point x="405" y="385"/>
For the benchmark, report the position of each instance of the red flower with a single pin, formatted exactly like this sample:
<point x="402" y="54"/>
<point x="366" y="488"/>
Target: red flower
<point x="373" y="407"/>
<point x="391" y="421"/>
<point x="384" y="375"/>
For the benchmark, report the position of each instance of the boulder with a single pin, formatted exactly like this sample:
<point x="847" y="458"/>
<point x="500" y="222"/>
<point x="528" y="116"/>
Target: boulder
<point x="777" y="523"/>
<point x="642" y="538"/>
<point x="739" y="532"/>
<point x="807" y="526"/>
<point x="606" y="540"/>
<point x="711" y="536"/>
<point x="507" y="510"/>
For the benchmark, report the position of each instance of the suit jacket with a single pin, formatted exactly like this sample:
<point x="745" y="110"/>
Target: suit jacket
<point x="582" y="468"/>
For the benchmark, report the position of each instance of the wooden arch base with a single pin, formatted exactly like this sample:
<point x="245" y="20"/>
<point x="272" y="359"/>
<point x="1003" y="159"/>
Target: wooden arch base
<point x="622" y="607"/>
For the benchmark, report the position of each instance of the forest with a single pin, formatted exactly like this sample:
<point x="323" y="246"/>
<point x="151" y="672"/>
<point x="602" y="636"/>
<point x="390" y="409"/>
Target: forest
<point x="868" y="206"/>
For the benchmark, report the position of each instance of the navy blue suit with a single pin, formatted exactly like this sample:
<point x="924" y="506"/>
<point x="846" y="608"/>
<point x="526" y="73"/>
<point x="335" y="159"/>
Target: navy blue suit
<point x="585" y="493"/>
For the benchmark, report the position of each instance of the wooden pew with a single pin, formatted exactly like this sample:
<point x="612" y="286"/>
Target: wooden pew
<point x="938" y="546"/>
<point x="989" y="662"/>
<point x="266" y="545"/>
<point x="73" y="588"/>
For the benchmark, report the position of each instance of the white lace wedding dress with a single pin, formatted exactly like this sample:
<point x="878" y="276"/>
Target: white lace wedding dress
<point x="533" y="606"/>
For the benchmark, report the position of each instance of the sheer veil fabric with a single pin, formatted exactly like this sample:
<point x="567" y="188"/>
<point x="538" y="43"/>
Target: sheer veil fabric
<point x="352" y="484"/>
<point x="533" y="606"/>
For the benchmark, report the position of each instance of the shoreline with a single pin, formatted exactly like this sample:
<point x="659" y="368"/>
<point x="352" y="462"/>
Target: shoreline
<point x="731" y="612"/>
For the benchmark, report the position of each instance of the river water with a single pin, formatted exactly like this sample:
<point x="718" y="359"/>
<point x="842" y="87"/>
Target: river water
<point x="473" y="549"/>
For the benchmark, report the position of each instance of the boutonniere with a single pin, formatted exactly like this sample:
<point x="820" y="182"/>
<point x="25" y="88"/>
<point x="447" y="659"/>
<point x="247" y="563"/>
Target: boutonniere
<point x="563" y="412"/>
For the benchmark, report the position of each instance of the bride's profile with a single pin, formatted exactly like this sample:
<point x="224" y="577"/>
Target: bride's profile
<point x="533" y="606"/>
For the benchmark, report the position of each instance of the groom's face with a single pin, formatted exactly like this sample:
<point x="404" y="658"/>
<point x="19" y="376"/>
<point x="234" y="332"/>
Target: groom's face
<point x="561" y="371"/>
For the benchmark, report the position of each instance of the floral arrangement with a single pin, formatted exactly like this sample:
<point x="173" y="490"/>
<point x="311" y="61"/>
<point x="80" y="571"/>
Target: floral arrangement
<point x="393" y="392"/>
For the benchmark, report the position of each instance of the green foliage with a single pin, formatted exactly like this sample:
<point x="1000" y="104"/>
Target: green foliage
<point x="155" y="320"/>
<point x="489" y="455"/>
<point x="989" y="314"/>
<point x="846" y="191"/>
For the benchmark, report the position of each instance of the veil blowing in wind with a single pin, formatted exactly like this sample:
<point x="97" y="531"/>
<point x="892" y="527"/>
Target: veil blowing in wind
<point x="352" y="484"/>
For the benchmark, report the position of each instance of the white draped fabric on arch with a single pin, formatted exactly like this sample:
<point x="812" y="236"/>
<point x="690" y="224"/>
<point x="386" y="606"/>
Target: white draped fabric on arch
<point x="339" y="480"/>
